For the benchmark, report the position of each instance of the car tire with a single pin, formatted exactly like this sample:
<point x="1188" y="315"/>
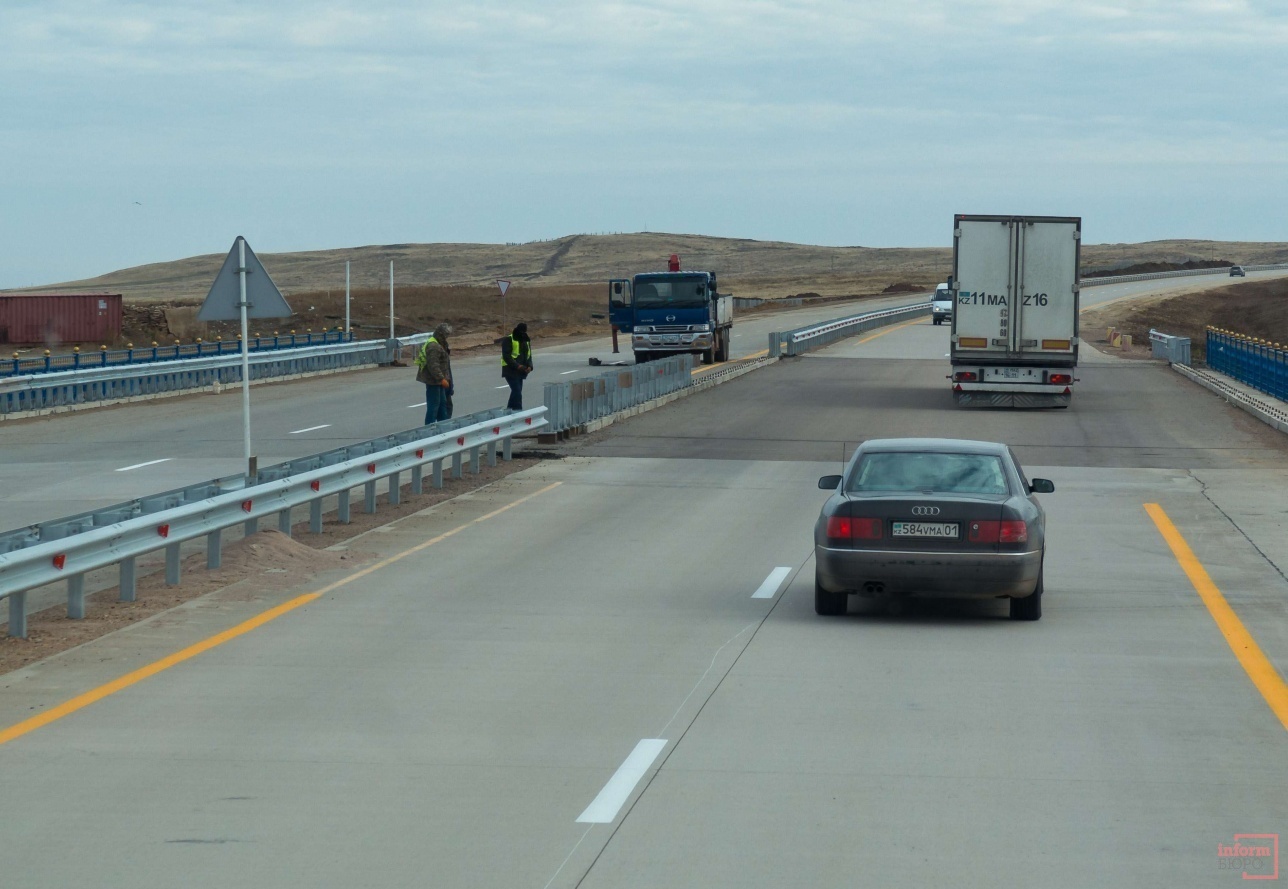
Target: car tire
<point x="829" y="604"/>
<point x="1030" y="607"/>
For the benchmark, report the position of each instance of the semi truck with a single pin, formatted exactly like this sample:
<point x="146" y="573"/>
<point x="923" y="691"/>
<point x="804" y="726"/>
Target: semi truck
<point x="666" y="313"/>
<point x="1014" y="284"/>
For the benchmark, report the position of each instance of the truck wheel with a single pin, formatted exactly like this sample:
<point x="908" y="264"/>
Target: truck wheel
<point x="722" y="346"/>
<point x="709" y="356"/>
<point x="827" y="603"/>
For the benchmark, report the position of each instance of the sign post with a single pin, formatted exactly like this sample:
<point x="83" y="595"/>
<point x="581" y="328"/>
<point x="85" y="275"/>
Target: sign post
<point x="505" y="315"/>
<point x="347" y="328"/>
<point x="237" y="296"/>
<point x="391" y="299"/>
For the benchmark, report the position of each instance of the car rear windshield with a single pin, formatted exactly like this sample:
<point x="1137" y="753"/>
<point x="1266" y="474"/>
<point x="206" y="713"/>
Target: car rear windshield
<point x="922" y="471"/>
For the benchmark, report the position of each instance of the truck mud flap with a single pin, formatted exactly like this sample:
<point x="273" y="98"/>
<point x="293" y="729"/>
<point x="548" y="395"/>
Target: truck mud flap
<point x="1012" y="399"/>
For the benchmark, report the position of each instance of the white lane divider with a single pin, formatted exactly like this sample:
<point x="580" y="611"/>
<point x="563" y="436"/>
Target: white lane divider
<point x="420" y="404"/>
<point x="566" y="372"/>
<point x="141" y="465"/>
<point x="604" y="808"/>
<point x="506" y="386"/>
<point x="310" y="429"/>
<point x="769" y="588"/>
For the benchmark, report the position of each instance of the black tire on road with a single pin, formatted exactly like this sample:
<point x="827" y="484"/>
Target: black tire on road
<point x="829" y="604"/>
<point x="709" y="355"/>
<point x="1030" y="607"/>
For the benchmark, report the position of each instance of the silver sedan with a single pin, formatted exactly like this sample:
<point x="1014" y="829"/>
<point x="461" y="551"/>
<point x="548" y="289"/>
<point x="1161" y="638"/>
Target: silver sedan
<point x="931" y="517"/>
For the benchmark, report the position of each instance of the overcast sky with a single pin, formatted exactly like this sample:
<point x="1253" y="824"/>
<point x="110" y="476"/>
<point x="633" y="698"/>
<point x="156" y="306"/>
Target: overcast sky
<point x="138" y="132"/>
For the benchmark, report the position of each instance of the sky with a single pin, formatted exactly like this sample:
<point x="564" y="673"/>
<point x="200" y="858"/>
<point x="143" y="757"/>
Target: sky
<point x="137" y="132"/>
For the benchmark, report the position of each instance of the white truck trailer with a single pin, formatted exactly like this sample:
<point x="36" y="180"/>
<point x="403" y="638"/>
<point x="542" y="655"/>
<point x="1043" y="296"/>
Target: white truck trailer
<point x="1015" y="313"/>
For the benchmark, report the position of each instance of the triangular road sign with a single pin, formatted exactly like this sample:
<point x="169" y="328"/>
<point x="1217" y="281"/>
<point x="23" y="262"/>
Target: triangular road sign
<point x="263" y="299"/>
<point x="504" y="285"/>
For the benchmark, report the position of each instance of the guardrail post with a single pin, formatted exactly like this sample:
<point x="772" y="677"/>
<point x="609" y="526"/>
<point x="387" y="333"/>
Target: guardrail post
<point x="456" y="465"/>
<point x="249" y="527"/>
<point x="342" y="507"/>
<point x="315" y="516"/>
<point x="418" y="479"/>
<point x="395" y="490"/>
<point x="474" y="460"/>
<point x="284" y="521"/>
<point x="18" y="614"/>
<point x="76" y="597"/>
<point x="172" y="564"/>
<point x="129" y="587"/>
<point x="491" y="453"/>
<point x="369" y="498"/>
<point x="214" y="549"/>
<point x="438" y="473"/>
<point x="506" y="448"/>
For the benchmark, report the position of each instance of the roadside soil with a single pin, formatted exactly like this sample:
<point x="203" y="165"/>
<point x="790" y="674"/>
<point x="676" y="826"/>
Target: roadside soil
<point x="263" y="562"/>
<point x="1252" y="308"/>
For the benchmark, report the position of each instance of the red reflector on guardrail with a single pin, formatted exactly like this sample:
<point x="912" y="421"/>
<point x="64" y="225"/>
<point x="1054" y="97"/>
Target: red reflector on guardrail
<point x="316" y="484"/>
<point x="163" y="530"/>
<point x="60" y="560"/>
<point x="496" y="430"/>
<point x="461" y="440"/>
<point x="371" y="467"/>
<point x="245" y="506"/>
<point x="527" y="421"/>
<point x="420" y="453"/>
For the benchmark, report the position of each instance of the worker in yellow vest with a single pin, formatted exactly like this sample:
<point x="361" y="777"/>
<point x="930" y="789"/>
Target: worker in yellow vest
<point x="516" y="363"/>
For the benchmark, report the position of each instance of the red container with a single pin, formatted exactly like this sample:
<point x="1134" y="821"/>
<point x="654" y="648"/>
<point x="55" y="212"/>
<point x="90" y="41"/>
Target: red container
<point x="55" y="319"/>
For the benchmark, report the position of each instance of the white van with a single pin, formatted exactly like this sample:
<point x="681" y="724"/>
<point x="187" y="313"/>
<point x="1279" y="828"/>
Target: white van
<point x="941" y="304"/>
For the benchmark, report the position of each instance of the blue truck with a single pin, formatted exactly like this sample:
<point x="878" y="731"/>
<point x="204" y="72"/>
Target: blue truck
<point x="666" y="313"/>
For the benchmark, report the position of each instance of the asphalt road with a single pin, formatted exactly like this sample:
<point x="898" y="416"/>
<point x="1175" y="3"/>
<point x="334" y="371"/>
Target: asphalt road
<point x="69" y="463"/>
<point x="609" y="673"/>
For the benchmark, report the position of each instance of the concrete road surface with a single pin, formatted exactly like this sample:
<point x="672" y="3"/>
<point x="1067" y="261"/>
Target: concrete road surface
<point x="606" y="672"/>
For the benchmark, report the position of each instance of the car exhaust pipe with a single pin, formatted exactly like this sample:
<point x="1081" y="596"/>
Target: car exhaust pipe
<point x="873" y="589"/>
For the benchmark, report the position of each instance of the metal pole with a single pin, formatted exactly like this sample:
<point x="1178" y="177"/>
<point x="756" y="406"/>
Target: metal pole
<point x="391" y="299"/>
<point x="245" y="354"/>
<point x="346" y="296"/>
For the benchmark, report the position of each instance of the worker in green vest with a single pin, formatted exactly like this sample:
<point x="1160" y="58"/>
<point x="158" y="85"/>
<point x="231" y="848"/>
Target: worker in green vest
<point x="434" y="369"/>
<point x="516" y="363"/>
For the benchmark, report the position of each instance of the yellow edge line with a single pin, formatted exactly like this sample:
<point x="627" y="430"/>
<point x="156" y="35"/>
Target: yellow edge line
<point x="94" y="695"/>
<point x="1253" y="660"/>
<point x="710" y="367"/>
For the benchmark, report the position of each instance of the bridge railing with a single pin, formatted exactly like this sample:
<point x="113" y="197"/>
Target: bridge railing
<point x="67" y="549"/>
<point x="816" y="336"/>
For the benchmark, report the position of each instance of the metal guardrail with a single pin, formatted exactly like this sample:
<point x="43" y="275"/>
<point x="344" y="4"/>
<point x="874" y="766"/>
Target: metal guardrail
<point x="67" y="549"/>
<point x="1184" y="273"/>
<point x="1257" y="363"/>
<point x="49" y="363"/>
<point x="42" y="391"/>
<point x="803" y="339"/>
<point x="575" y="403"/>
<point x="1176" y="349"/>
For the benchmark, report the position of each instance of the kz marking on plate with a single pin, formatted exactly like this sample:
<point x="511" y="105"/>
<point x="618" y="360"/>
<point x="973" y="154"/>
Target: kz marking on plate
<point x="925" y="529"/>
<point x="1028" y="374"/>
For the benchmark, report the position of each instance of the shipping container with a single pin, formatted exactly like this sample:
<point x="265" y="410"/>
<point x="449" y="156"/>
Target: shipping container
<point x="55" y="319"/>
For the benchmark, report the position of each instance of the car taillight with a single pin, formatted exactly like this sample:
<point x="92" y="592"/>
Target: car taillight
<point x="965" y="376"/>
<point x="997" y="532"/>
<point x="1061" y="379"/>
<point x="843" y="527"/>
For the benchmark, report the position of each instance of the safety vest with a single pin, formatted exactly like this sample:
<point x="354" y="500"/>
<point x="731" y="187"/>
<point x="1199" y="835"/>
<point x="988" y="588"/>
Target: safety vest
<point x="421" y="357"/>
<point x="517" y="351"/>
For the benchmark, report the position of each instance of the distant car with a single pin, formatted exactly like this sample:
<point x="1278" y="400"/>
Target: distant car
<point x="1236" y="271"/>
<point x="941" y="304"/>
<point x="931" y="517"/>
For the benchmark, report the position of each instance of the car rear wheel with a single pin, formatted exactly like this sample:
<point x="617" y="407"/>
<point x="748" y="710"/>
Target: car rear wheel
<point x="829" y="604"/>
<point x="1030" y="607"/>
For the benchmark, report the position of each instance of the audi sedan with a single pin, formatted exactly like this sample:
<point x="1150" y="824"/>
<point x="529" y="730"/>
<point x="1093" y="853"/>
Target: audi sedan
<point x="931" y="517"/>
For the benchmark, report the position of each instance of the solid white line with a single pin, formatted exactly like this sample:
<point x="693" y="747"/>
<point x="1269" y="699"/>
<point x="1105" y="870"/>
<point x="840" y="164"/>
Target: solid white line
<point x="566" y="372"/>
<point x="141" y="465"/>
<point x="506" y="386"/>
<point x="310" y="429"/>
<point x="619" y="787"/>
<point x="769" y="588"/>
<point x="422" y="404"/>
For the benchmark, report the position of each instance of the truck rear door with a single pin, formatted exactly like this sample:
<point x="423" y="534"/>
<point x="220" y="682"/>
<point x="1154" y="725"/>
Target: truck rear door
<point x="1044" y="320"/>
<point x="984" y="271"/>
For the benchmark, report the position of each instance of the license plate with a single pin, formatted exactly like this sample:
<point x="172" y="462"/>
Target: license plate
<point x="1027" y="374"/>
<point x="925" y="529"/>
<point x="671" y="340"/>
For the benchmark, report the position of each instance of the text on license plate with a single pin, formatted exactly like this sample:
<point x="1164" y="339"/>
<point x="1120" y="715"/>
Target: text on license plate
<point x="925" y="529"/>
<point x="1030" y="374"/>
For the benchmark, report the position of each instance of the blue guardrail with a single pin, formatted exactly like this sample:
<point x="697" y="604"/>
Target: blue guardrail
<point x="48" y="363"/>
<point x="1257" y="363"/>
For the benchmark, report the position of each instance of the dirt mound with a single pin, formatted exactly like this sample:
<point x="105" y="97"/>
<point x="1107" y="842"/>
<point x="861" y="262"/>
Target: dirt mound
<point x="904" y="287"/>
<point x="1144" y="268"/>
<point x="277" y="553"/>
<point x="1253" y="308"/>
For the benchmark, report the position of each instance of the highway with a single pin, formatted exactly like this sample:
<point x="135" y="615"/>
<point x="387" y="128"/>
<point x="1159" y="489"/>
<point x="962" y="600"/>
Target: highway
<point x="605" y="671"/>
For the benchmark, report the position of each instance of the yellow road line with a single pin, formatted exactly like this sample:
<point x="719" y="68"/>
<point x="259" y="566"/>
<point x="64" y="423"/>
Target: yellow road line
<point x="94" y="695"/>
<point x="1253" y="660"/>
<point x="710" y="367"/>
<point x="891" y="329"/>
